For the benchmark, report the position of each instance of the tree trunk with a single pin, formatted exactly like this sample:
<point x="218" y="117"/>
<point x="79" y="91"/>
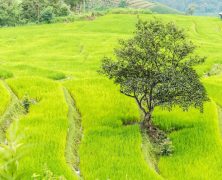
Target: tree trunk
<point x="147" y="122"/>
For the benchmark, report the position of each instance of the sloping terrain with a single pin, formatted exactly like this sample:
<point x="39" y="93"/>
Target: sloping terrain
<point x="45" y="59"/>
<point x="153" y="6"/>
<point x="140" y="4"/>
<point x="201" y="7"/>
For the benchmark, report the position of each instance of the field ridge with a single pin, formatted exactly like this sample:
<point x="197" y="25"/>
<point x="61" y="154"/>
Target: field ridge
<point x="74" y="133"/>
<point x="13" y="112"/>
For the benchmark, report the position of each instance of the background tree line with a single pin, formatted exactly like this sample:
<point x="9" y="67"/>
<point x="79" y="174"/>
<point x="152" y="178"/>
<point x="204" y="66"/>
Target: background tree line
<point x="14" y="12"/>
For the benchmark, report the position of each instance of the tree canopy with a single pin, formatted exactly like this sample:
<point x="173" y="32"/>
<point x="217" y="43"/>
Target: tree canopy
<point x="14" y="12"/>
<point x="156" y="68"/>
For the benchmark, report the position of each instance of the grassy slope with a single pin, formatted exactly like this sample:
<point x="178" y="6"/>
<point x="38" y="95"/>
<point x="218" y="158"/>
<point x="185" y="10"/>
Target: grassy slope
<point x="108" y="149"/>
<point x="4" y="98"/>
<point x="163" y="9"/>
<point x="44" y="128"/>
<point x="153" y="6"/>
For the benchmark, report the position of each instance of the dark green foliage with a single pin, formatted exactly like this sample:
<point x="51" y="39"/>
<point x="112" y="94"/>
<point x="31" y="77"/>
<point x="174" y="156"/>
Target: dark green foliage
<point x="72" y="3"/>
<point x="14" y="12"/>
<point x="43" y="10"/>
<point x="166" y="148"/>
<point x="47" y="15"/>
<point x="9" y="13"/>
<point x="62" y="10"/>
<point x="156" y="68"/>
<point x="31" y="10"/>
<point x="26" y="103"/>
<point x="123" y="4"/>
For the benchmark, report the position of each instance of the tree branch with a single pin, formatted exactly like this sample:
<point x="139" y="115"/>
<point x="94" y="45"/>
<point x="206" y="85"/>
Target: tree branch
<point x="129" y="95"/>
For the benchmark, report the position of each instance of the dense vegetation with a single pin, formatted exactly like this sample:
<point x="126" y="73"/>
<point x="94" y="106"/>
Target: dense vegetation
<point x="15" y="12"/>
<point x="19" y="12"/>
<point x="40" y="62"/>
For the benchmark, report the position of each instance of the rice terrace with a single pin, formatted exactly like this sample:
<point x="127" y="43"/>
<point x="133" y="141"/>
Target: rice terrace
<point x="69" y="77"/>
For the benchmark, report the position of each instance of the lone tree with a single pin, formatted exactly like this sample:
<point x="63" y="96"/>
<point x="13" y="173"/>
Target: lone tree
<point x="191" y="9"/>
<point x="155" y="67"/>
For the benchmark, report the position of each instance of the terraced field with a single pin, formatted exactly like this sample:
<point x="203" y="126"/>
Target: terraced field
<point x="56" y="67"/>
<point x="140" y="4"/>
<point x="153" y="6"/>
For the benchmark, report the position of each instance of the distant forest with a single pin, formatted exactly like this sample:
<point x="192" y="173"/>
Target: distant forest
<point x="199" y="6"/>
<point x="16" y="12"/>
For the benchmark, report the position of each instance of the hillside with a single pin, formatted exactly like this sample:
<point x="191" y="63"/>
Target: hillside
<point x="155" y="7"/>
<point x="76" y="121"/>
<point x="140" y="4"/>
<point x="202" y="7"/>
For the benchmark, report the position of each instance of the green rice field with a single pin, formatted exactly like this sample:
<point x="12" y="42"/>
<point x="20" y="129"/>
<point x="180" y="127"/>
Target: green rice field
<point x="43" y="62"/>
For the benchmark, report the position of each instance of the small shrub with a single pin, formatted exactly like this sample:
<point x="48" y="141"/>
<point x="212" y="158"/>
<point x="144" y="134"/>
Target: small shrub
<point x="63" y="10"/>
<point x="162" y="144"/>
<point x="27" y="102"/>
<point x="166" y="147"/>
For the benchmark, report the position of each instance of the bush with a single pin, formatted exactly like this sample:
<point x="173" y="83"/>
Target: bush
<point x="9" y="13"/>
<point x="47" y="15"/>
<point x="123" y="4"/>
<point x="166" y="148"/>
<point x="63" y="10"/>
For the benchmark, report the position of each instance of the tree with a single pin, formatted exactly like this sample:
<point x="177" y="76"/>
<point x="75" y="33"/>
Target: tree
<point x="155" y="67"/>
<point x="47" y="14"/>
<point x="31" y="9"/>
<point x="43" y="10"/>
<point x="77" y="4"/>
<point x="191" y="9"/>
<point x="9" y="12"/>
<point x="122" y="4"/>
<point x="60" y="8"/>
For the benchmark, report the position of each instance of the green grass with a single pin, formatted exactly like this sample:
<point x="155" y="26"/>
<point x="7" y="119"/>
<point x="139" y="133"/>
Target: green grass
<point x="4" y="74"/>
<point x="37" y="55"/>
<point x="108" y="149"/>
<point x="4" y="98"/>
<point x="44" y="128"/>
<point x="163" y="9"/>
<point x="198" y="146"/>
